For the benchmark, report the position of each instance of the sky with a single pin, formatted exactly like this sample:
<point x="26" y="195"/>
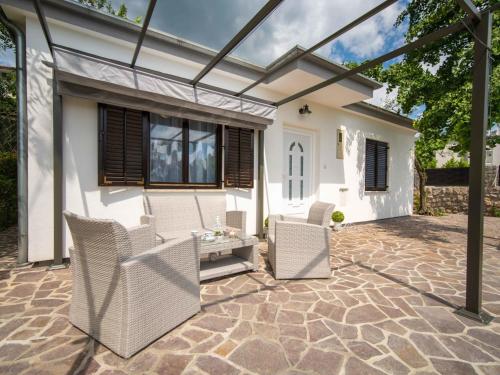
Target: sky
<point x="213" y="23"/>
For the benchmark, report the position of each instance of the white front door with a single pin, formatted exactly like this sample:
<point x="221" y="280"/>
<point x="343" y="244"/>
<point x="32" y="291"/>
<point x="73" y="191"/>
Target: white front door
<point x="297" y="165"/>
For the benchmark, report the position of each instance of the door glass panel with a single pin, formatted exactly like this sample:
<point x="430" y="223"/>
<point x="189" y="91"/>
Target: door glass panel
<point x="289" y="165"/>
<point x="165" y="149"/>
<point x="301" y="189"/>
<point x="289" y="190"/>
<point x="301" y="166"/>
<point x="202" y="152"/>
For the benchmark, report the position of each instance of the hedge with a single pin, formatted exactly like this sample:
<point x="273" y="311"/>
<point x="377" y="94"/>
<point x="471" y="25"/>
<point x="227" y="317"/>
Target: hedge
<point x="8" y="189"/>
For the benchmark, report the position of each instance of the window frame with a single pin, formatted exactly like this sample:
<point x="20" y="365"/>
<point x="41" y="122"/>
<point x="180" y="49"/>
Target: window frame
<point x="375" y="188"/>
<point x="185" y="184"/>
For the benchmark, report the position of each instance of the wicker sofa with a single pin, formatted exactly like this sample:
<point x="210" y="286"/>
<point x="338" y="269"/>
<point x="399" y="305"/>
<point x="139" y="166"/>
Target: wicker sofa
<point x="176" y="215"/>
<point x="127" y="292"/>
<point x="298" y="248"/>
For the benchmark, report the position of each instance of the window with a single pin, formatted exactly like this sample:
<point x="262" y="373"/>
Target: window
<point x="183" y="152"/>
<point x="141" y="148"/>
<point x="165" y="149"/>
<point x="238" y="166"/>
<point x="489" y="157"/>
<point x="376" y="165"/>
<point x="203" y="153"/>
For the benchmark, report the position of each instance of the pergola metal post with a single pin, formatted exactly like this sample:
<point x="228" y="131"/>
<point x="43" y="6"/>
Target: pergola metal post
<point x="145" y="25"/>
<point x="260" y="185"/>
<point x="57" y="134"/>
<point x="479" y="126"/>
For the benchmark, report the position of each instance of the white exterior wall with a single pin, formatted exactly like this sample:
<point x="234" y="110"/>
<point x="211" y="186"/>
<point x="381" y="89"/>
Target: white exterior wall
<point x="125" y="204"/>
<point x="495" y="159"/>
<point x="330" y="174"/>
<point x="40" y="152"/>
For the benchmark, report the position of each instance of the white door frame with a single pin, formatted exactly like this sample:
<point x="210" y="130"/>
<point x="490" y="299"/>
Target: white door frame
<point x="312" y="165"/>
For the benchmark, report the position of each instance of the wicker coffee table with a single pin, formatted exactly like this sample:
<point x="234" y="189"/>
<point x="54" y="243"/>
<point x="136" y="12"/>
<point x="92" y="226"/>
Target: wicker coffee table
<point x="229" y="255"/>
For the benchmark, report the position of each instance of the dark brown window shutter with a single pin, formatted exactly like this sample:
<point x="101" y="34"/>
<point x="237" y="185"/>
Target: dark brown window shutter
<point x="370" y="164"/>
<point x="134" y="173"/>
<point x="232" y="157"/>
<point x="121" y="146"/>
<point x="382" y="165"/>
<point x="376" y="165"/>
<point x="246" y="158"/>
<point x="239" y="158"/>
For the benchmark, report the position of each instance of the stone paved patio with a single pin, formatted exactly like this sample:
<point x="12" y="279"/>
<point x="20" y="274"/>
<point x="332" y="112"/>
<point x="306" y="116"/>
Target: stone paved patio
<point x="387" y="309"/>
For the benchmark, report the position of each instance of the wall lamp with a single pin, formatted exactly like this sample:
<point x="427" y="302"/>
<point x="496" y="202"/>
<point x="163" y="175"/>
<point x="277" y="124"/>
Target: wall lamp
<point x="304" y="110"/>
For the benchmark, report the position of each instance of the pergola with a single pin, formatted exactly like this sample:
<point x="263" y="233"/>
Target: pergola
<point x="477" y="22"/>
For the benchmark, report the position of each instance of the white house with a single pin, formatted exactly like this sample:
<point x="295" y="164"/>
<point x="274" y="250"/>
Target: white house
<point x="492" y="155"/>
<point x="129" y="132"/>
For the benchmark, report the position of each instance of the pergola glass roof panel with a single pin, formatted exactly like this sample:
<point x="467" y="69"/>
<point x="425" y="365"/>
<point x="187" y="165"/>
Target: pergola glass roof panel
<point x="304" y="23"/>
<point x="209" y="23"/>
<point x="135" y="9"/>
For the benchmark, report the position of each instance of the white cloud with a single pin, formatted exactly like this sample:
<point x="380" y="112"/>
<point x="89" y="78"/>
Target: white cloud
<point x="384" y="99"/>
<point x="434" y="68"/>
<point x="305" y="23"/>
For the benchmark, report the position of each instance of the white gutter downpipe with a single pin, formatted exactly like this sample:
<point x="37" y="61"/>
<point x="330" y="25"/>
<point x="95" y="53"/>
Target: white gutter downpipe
<point x="22" y="139"/>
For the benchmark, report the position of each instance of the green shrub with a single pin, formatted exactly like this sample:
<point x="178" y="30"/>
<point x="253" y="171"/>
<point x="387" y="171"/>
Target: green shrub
<point x="338" y="217"/>
<point x="8" y="189"/>
<point x="438" y="212"/>
<point x="456" y="163"/>
<point x="266" y="222"/>
<point x="8" y="164"/>
<point x="495" y="211"/>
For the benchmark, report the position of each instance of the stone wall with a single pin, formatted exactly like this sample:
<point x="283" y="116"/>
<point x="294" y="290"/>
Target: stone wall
<point x="455" y="199"/>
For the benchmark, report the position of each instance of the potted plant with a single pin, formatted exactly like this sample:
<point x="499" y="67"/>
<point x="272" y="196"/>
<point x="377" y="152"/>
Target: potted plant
<point x="337" y="218"/>
<point x="266" y="227"/>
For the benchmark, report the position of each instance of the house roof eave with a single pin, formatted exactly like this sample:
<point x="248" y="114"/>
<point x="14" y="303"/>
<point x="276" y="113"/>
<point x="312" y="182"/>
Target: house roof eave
<point x="383" y="114"/>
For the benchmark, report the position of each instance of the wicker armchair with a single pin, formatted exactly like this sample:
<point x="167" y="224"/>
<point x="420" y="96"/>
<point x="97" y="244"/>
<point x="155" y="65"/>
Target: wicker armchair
<point x="127" y="292"/>
<point x="300" y="248"/>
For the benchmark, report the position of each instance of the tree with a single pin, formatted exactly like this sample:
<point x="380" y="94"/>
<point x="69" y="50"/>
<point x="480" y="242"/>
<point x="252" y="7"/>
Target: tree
<point x="5" y="38"/>
<point x="438" y="77"/>
<point x="107" y="6"/>
<point x="8" y="112"/>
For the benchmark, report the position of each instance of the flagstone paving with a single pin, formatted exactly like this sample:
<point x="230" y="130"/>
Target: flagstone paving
<point x="388" y="309"/>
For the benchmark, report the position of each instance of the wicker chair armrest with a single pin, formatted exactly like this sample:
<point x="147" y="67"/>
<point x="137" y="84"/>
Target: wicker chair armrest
<point x="272" y="223"/>
<point x="299" y="237"/>
<point x="142" y="238"/>
<point x="294" y="219"/>
<point x="173" y="263"/>
<point x="236" y="219"/>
